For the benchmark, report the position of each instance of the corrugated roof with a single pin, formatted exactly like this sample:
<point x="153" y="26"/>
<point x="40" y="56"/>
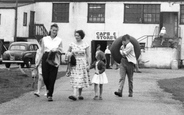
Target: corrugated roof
<point x="11" y="5"/>
<point x="21" y="1"/>
<point x="109" y="0"/>
<point x="26" y="1"/>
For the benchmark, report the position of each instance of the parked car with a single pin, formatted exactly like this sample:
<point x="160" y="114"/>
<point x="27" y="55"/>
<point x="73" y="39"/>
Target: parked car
<point x="22" y="53"/>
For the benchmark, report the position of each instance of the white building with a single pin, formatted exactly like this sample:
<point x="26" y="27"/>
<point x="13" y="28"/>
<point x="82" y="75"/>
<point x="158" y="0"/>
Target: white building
<point x="102" y="21"/>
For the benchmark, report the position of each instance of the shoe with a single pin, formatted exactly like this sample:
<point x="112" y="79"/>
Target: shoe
<point x="100" y="98"/>
<point x="130" y="95"/>
<point x="95" y="98"/>
<point x="50" y="98"/>
<point x="72" y="98"/>
<point x="80" y="98"/>
<point x="118" y="94"/>
<point x="36" y="94"/>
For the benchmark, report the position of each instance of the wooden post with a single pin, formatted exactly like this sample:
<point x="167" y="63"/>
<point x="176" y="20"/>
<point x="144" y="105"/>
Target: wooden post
<point x="16" y="10"/>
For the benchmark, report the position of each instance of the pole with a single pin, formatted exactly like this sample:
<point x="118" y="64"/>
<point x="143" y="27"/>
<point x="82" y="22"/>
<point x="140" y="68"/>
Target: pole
<point x="16" y="10"/>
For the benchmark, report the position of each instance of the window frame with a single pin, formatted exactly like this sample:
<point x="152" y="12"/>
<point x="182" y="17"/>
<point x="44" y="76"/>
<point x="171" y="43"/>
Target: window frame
<point x="181" y="14"/>
<point x="102" y="11"/>
<point x="25" y="19"/>
<point x="66" y="15"/>
<point x="143" y="13"/>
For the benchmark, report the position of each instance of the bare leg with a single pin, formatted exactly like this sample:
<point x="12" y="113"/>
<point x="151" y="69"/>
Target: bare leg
<point x="75" y="91"/>
<point x="40" y="83"/>
<point x="80" y="92"/>
<point x="101" y="90"/>
<point x="96" y="91"/>
<point x="39" y="86"/>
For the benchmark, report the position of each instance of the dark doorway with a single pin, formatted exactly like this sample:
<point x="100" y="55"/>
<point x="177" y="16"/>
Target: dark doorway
<point x="94" y="44"/>
<point x="169" y="20"/>
<point x="31" y="24"/>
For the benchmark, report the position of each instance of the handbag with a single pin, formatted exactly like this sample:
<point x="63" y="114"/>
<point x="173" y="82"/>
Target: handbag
<point x="73" y="60"/>
<point x="34" y="72"/>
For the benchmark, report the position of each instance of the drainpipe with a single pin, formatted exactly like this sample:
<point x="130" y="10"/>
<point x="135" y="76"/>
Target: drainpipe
<point x="15" y="32"/>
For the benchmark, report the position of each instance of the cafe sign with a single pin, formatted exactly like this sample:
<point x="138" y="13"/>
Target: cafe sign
<point x="109" y="35"/>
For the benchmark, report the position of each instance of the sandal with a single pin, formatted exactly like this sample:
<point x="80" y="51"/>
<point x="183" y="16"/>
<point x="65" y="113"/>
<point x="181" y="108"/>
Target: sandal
<point x="72" y="98"/>
<point x="96" y="97"/>
<point x="37" y="94"/>
<point x="100" y="98"/>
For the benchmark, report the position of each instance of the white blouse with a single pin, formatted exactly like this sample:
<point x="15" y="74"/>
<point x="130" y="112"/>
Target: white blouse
<point x="50" y="43"/>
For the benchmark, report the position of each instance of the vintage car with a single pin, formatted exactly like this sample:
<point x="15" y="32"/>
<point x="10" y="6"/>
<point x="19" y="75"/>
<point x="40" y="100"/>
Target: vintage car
<point x="22" y="53"/>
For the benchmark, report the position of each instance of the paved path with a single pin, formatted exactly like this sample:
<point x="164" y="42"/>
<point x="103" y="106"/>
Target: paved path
<point x="148" y="98"/>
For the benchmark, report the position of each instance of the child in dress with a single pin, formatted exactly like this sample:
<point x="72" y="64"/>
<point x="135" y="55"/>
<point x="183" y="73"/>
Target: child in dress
<point x="100" y="77"/>
<point x="39" y="73"/>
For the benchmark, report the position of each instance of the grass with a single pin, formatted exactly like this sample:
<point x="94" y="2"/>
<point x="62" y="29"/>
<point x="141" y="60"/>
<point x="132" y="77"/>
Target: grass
<point x="13" y="83"/>
<point x="174" y="86"/>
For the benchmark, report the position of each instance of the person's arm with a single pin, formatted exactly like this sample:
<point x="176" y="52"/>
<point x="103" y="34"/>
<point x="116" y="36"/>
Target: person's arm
<point x="60" y="48"/>
<point x="40" y="53"/>
<point x="87" y="56"/>
<point x="101" y="67"/>
<point x="92" y="65"/>
<point x="127" y="50"/>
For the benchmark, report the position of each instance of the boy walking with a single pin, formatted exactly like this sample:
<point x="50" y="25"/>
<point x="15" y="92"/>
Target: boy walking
<point x="127" y="64"/>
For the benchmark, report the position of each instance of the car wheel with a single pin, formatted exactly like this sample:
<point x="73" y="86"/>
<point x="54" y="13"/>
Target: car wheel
<point x="22" y="65"/>
<point x="28" y="63"/>
<point x="7" y="65"/>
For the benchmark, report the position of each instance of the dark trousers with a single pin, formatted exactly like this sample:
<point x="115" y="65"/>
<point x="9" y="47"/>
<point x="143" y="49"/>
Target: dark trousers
<point x="126" y="68"/>
<point x="107" y="56"/>
<point x="49" y="73"/>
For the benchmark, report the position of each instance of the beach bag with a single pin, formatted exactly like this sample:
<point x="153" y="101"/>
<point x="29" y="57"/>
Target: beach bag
<point x="53" y="59"/>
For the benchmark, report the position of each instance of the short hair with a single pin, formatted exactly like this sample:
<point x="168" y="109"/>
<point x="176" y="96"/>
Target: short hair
<point x="125" y="37"/>
<point x="81" y="33"/>
<point x="53" y="25"/>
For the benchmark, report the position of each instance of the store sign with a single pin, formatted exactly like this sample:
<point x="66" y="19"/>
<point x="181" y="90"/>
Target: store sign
<point x="106" y="35"/>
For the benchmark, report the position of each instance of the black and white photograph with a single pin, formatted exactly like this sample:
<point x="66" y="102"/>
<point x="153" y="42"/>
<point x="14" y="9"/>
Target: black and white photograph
<point x="91" y="57"/>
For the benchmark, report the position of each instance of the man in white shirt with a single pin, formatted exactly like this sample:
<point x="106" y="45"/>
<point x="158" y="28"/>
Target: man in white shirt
<point x="108" y="57"/>
<point x="127" y="65"/>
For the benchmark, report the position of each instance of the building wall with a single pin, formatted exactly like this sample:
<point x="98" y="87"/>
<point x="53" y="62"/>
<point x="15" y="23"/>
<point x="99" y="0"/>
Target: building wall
<point x="113" y="22"/>
<point x="78" y="20"/>
<point x="7" y="24"/>
<point x="23" y="31"/>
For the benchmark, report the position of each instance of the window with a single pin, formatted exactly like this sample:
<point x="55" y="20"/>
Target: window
<point x="60" y="12"/>
<point x="96" y="13"/>
<point x="182" y="14"/>
<point x="139" y="13"/>
<point x="17" y="47"/>
<point x="35" y="47"/>
<point x="25" y="19"/>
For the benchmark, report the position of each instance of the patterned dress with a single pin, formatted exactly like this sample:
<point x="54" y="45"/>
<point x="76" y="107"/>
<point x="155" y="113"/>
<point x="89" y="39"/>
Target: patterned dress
<point x="79" y="75"/>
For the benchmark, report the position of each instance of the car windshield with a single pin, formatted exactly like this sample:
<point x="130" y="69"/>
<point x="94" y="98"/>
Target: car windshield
<point x="18" y="47"/>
